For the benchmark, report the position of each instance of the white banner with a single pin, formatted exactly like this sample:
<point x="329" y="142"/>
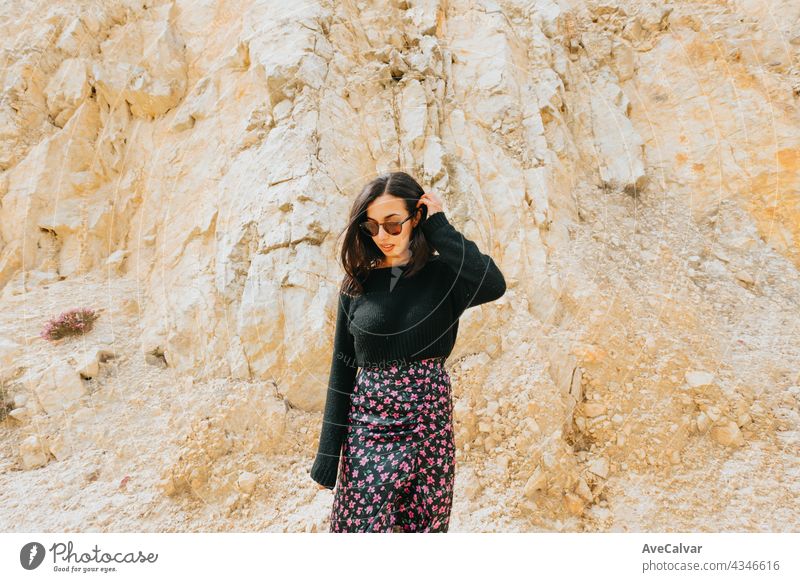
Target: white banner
<point x="452" y="556"/>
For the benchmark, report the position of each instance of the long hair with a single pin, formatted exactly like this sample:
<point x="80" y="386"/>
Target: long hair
<point x="359" y="252"/>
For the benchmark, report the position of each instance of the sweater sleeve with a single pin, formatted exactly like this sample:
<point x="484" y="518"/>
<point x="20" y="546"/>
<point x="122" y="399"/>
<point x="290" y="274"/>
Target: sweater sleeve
<point x="478" y="280"/>
<point x="340" y="387"/>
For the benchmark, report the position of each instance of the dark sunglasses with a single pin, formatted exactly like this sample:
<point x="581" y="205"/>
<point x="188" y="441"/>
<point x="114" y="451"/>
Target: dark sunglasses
<point x="391" y="227"/>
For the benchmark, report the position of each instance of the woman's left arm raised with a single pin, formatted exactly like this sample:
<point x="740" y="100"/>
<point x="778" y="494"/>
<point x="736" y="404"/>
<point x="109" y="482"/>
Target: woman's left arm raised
<point x="478" y="280"/>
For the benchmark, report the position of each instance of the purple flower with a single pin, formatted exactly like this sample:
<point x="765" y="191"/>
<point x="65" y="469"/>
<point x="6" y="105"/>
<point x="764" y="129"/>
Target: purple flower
<point x="75" y="321"/>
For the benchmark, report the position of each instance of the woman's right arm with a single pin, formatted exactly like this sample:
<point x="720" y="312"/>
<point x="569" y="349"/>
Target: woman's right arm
<point x="477" y="278"/>
<point x="337" y="404"/>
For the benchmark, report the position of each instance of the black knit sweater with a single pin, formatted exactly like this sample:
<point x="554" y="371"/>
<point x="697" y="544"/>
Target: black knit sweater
<point x="402" y="319"/>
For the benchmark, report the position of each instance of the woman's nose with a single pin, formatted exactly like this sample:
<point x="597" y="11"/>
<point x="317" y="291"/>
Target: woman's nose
<point x="383" y="236"/>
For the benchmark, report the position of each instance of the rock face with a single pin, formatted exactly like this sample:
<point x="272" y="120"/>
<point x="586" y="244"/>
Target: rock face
<point x="631" y="166"/>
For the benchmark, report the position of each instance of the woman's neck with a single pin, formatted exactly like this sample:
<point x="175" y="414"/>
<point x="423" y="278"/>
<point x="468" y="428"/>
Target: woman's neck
<point x="394" y="261"/>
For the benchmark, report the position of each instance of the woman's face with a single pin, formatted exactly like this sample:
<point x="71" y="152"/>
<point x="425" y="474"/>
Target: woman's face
<point x="388" y="208"/>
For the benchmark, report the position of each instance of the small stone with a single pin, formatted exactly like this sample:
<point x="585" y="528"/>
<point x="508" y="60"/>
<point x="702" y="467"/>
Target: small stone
<point x="599" y="467"/>
<point x="698" y="378"/>
<point x="247" y="482"/>
<point x="33" y="452"/>
<point x="21" y="414"/>
<point x="574" y="504"/>
<point x="536" y="482"/>
<point x="703" y="422"/>
<point x="583" y="490"/>
<point x="471" y="485"/>
<point x="58" y="387"/>
<point x="728" y="434"/>
<point x="592" y="409"/>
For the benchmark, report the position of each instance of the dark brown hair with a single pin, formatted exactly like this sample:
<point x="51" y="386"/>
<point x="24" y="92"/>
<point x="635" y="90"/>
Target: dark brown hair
<point x="359" y="252"/>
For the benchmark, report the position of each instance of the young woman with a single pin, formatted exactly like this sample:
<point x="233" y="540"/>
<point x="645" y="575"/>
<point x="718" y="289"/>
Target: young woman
<point x="389" y="411"/>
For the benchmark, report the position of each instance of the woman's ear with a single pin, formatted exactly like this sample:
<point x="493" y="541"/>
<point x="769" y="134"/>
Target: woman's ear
<point x="420" y="215"/>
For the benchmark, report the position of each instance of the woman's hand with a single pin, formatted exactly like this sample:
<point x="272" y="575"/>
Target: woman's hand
<point x="432" y="202"/>
<point x="321" y="486"/>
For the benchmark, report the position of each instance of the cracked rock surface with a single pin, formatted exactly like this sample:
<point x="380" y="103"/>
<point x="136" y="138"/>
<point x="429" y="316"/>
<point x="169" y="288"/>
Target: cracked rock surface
<point x="186" y="169"/>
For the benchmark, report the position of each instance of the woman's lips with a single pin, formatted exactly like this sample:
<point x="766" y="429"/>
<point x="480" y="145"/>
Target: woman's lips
<point x="387" y="247"/>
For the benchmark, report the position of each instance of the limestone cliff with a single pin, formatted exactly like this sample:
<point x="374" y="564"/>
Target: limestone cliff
<point x="185" y="168"/>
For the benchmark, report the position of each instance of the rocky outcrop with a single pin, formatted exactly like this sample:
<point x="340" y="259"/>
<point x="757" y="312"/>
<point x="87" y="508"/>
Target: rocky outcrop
<point x="632" y="167"/>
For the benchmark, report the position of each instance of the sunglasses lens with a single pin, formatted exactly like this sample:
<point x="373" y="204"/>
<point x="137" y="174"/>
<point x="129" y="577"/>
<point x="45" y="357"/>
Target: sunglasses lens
<point x="370" y="228"/>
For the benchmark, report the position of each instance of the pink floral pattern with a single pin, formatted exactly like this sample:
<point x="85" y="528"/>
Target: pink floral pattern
<point x="398" y="457"/>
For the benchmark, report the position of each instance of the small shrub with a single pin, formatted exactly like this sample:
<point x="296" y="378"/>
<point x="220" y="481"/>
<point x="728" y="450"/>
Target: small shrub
<point x="73" y="322"/>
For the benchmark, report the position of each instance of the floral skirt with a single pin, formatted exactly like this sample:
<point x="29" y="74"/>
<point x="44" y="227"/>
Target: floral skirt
<point x="398" y="457"/>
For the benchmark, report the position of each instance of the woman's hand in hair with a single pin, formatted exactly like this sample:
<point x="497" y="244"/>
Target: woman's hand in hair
<point x="432" y="202"/>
